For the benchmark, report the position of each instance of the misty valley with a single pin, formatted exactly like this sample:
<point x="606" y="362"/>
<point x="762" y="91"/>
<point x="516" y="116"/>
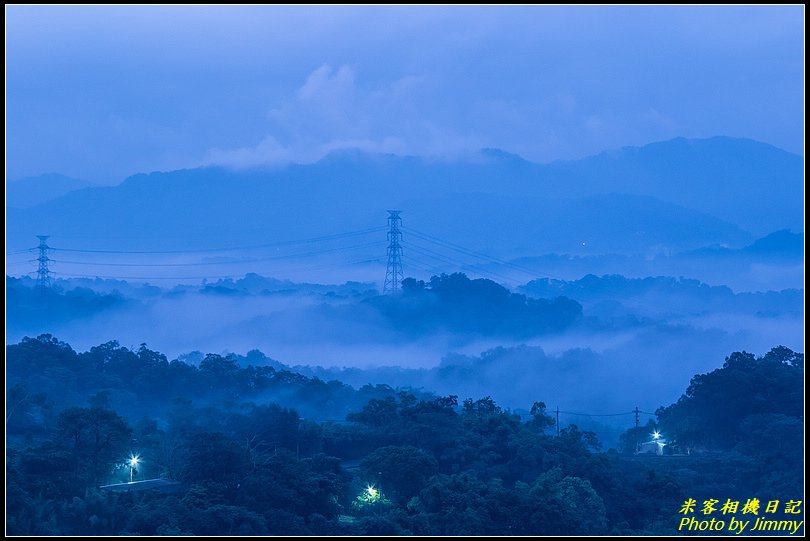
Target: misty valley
<point x="405" y="270"/>
<point x="604" y="346"/>
<point x="459" y="406"/>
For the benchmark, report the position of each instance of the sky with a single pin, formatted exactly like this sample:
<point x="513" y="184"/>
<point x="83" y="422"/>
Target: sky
<point x="103" y="92"/>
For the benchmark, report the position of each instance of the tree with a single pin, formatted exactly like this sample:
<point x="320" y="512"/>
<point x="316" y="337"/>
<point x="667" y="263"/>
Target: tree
<point x="98" y="439"/>
<point x="302" y="487"/>
<point x="479" y="306"/>
<point x="540" y="419"/>
<point x="212" y="456"/>
<point x="376" y="412"/>
<point x="400" y="471"/>
<point x="39" y="352"/>
<point x="784" y="355"/>
<point x="631" y="436"/>
<point x="458" y="504"/>
<point x="26" y="412"/>
<point x="219" y="366"/>
<point x="566" y="505"/>
<point x="715" y="405"/>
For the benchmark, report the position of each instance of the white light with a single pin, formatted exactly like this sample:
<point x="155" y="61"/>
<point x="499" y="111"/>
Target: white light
<point x="656" y="435"/>
<point x="133" y="461"/>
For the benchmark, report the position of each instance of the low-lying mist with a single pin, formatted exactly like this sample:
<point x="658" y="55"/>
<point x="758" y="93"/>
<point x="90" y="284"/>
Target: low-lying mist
<point x="598" y="345"/>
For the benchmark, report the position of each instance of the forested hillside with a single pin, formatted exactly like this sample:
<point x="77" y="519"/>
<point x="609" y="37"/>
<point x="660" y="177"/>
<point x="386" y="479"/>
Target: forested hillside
<point x="263" y="450"/>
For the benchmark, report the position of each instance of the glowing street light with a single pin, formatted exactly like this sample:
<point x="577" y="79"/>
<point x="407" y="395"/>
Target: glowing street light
<point x="656" y="435"/>
<point x="133" y="461"/>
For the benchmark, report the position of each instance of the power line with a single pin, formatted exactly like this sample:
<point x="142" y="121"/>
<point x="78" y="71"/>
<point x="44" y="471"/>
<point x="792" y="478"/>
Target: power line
<point x="395" y="237"/>
<point x="232" y="262"/>
<point x="598" y="414"/>
<point x="481" y="270"/>
<point x="358" y="262"/>
<point x="205" y="277"/>
<point x="430" y="254"/>
<point x="231" y="248"/>
<point x="467" y="251"/>
<point x="105" y="277"/>
<point x="421" y="265"/>
<point x="461" y="249"/>
<point x="446" y="259"/>
<point x="26" y="250"/>
<point x="475" y="270"/>
<point x="29" y="273"/>
<point x="595" y="414"/>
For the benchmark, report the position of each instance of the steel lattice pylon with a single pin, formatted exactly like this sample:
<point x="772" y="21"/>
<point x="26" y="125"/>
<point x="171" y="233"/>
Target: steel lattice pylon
<point x="393" y="270"/>
<point x="43" y="274"/>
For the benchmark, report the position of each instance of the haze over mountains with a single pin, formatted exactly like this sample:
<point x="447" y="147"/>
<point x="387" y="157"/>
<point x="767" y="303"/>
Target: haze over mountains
<point x="670" y="196"/>
<point x="685" y="249"/>
<point x="31" y="191"/>
<point x="393" y="270"/>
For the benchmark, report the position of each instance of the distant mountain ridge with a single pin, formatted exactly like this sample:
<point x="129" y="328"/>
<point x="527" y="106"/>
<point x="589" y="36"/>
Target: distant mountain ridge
<point x="739" y="180"/>
<point x="783" y="242"/>
<point x="674" y="195"/>
<point x="31" y="191"/>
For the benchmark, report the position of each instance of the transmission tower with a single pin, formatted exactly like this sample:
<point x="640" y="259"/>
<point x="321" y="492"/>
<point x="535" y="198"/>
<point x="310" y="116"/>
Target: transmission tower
<point x="393" y="270"/>
<point x="43" y="275"/>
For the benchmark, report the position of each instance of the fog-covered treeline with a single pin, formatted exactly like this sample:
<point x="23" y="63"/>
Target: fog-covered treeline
<point x="374" y="460"/>
<point x="572" y="342"/>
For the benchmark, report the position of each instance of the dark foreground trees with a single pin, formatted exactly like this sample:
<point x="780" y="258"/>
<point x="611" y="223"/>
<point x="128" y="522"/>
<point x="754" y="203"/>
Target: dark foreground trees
<point x="401" y="463"/>
<point x="718" y="409"/>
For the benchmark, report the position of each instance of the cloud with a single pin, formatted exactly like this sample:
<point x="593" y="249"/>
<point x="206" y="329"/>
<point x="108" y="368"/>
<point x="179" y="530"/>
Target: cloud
<point x="656" y="118"/>
<point x="267" y="152"/>
<point x="332" y="111"/>
<point x="264" y="84"/>
<point x="325" y="82"/>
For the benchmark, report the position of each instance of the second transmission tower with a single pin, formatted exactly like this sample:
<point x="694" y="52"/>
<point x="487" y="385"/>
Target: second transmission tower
<point x="43" y="274"/>
<point x="393" y="270"/>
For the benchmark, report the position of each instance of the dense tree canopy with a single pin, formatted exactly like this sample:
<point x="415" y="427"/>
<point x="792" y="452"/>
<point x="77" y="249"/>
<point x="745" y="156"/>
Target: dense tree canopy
<point x="715" y="408"/>
<point x="400" y="461"/>
<point x="480" y="306"/>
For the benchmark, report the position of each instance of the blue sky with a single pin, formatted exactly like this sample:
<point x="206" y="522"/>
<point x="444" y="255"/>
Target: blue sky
<point x="103" y="92"/>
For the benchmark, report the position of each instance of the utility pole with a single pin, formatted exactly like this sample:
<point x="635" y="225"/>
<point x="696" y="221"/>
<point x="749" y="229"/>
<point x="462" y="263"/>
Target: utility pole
<point x="43" y="274"/>
<point x="393" y="270"/>
<point x="558" y="421"/>
<point x="298" y="440"/>
<point x="636" y="431"/>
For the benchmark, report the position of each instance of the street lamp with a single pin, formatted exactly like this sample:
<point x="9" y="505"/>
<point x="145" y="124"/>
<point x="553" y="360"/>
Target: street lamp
<point x="656" y="435"/>
<point x="133" y="461"/>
